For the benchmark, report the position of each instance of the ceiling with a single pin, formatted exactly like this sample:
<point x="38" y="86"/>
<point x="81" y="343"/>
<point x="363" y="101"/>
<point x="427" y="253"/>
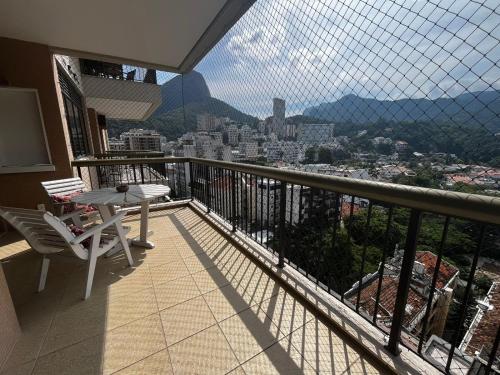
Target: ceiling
<point x="170" y="35"/>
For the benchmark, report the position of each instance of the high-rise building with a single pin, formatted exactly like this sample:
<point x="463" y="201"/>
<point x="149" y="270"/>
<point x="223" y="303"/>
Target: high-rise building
<point x="279" y="118"/>
<point x="245" y="134"/>
<point x="232" y="135"/>
<point x="249" y="150"/>
<point x="115" y="144"/>
<point x="141" y="140"/>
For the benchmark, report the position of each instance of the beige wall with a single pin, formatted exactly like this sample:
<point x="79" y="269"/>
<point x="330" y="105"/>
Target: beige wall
<point x="9" y="326"/>
<point x="32" y="65"/>
<point x="95" y="131"/>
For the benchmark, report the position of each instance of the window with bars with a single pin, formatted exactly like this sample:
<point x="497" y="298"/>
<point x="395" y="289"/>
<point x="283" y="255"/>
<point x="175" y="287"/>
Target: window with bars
<point x="75" y="118"/>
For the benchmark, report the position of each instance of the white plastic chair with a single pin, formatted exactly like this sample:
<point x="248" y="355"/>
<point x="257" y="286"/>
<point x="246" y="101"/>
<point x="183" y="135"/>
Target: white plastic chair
<point x="48" y="234"/>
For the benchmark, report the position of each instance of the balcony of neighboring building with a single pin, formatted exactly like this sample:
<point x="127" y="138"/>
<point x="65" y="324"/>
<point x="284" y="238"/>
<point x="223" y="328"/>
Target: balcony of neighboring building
<point x="119" y="91"/>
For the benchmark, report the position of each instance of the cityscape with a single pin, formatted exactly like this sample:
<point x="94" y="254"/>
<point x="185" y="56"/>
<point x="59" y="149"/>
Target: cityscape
<point x="256" y="187"/>
<point x="315" y="147"/>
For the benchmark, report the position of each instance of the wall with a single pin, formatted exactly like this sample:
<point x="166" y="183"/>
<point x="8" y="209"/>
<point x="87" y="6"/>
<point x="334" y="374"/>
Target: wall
<point x="9" y="326"/>
<point x="95" y="131"/>
<point x="32" y="65"/>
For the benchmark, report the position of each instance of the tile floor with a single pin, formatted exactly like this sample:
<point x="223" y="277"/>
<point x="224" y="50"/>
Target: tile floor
<point x="193" y="305"/>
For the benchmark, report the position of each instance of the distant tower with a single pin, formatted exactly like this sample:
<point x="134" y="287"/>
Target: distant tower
<point x="279" y="117"/>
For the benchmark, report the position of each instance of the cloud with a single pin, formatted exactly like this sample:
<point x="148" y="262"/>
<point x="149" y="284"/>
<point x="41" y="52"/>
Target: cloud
<point x="313" y="51"/>
<point x="260" y="44"/>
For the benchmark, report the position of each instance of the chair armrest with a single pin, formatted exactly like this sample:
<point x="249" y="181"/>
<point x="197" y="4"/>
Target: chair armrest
<point x="98" y="228"/>
<point x="71" y="215"/>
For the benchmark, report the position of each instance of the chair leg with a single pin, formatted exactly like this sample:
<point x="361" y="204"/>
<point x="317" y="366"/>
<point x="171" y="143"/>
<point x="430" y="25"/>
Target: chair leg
<point x="90" y="274"/>
<point x="43" y="273"/>
<point x="124" y="243"/>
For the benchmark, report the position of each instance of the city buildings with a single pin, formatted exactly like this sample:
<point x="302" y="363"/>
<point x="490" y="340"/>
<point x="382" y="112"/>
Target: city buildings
<point x="116" y="144"/>
<point x="141" y="140"/>
<point x="248" y="150"/>
<point x="278" y="124"/>
<point x="291" y="152"/>
<point x="315" y="134"/>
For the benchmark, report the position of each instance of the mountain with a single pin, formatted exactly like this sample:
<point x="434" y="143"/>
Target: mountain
<point x="171" y="119"/>
<point x="481" y="108"/>
<point x="195" y="90"/>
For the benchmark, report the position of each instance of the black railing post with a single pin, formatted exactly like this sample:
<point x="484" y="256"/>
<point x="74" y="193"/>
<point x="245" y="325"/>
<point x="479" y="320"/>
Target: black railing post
<point x="142" y="173"/>
<point x="281" y="259"/>
<point x="207" y="188"/>
<point x="79" y="170"/>
<point x="191" y="184"/>
<point x="404" y="281"/>
<point x="233" y="199"/>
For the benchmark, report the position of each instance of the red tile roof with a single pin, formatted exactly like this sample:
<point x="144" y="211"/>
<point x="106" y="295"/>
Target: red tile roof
<point x="345" y="209"/>
<point x="483" y="336"/>
<point x="388" y="293"/>
<point x="389" y="289"/>
<point x="446" y="270"/>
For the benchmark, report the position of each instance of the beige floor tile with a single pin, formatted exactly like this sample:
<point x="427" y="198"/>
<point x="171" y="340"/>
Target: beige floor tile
<point x="175" y="292"/>
<point x="237" y="371"/>
<point x="155" y="257"/>
<point x="249" y="333"/>
<point x="225" y="302"/>
<point x="186" y="319"/>
<point x="82" y="358"/>
<point x="113" y="284"/>
<point x="197" y="263"/>
<point x="34" y="327"/>
<point x="169" y="271"/>
<point x="286" y="312"/>
<point x="157" y="364"/>
<point x="204" y="353"/>
<point x="364" y="367"/>
<point x="188" y="249"/>
<point x="323" y="349"/>
<point x="97" y="315"/>
<point x="24" y="369"/>
<point x="213" y="278"/>
<point x="106" y="353"/>
<point x="234" y="261"/>
<point x="257" y="290"/>
<point x="280" y="358"/>
<point x="132" y="342"/>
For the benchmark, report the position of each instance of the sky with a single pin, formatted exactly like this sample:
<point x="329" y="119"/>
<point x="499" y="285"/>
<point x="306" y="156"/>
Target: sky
<point x="313" y="51"/>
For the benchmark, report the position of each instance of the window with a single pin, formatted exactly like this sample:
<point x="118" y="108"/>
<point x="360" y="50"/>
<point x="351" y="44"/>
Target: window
<point x="73" y="107"/>
<point x="23" y="146"/>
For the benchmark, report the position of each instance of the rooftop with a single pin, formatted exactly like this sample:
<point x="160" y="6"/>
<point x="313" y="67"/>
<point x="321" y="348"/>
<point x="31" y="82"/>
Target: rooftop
<point x="483" y="330"/>
<point x="417" y="300"/>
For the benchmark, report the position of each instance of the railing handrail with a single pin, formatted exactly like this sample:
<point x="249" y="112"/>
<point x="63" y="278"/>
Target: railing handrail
<point x="474" y="207"/>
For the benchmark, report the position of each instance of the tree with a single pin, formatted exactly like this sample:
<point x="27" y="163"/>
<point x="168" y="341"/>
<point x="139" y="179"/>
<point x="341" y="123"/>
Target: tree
<point x="310" y="155"/>
<point x="325" y="155"/>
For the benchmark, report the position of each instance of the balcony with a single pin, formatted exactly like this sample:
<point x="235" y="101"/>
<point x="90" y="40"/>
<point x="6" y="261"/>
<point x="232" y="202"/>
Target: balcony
<point x="197" y="303"/>
<point x="401" y="298"/>
<point x="120" y="92"/>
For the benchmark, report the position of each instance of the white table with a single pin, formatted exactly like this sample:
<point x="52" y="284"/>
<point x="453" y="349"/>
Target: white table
<point x="105" y="200"/>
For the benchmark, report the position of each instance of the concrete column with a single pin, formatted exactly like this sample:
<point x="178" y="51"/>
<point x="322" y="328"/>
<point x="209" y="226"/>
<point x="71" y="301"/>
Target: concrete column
<point x="95" y="131"/>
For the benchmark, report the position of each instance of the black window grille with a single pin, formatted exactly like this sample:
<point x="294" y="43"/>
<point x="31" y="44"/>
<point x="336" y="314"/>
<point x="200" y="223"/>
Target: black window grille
<point x="75" y="118"/>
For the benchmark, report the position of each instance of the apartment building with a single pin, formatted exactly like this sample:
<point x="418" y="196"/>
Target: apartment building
<point x="141" y="140"/>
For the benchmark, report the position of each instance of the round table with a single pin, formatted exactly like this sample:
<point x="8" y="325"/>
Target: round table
<point x="105" y="199"/>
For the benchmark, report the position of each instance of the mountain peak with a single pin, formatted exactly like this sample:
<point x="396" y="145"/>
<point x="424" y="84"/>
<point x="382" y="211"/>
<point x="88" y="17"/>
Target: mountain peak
<point x="195" y="90"/>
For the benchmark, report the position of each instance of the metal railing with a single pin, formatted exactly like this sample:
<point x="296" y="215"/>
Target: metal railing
<point x="129" y="154"/>
<point x="117" y="71"/>
<point x="385" y="250"/>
